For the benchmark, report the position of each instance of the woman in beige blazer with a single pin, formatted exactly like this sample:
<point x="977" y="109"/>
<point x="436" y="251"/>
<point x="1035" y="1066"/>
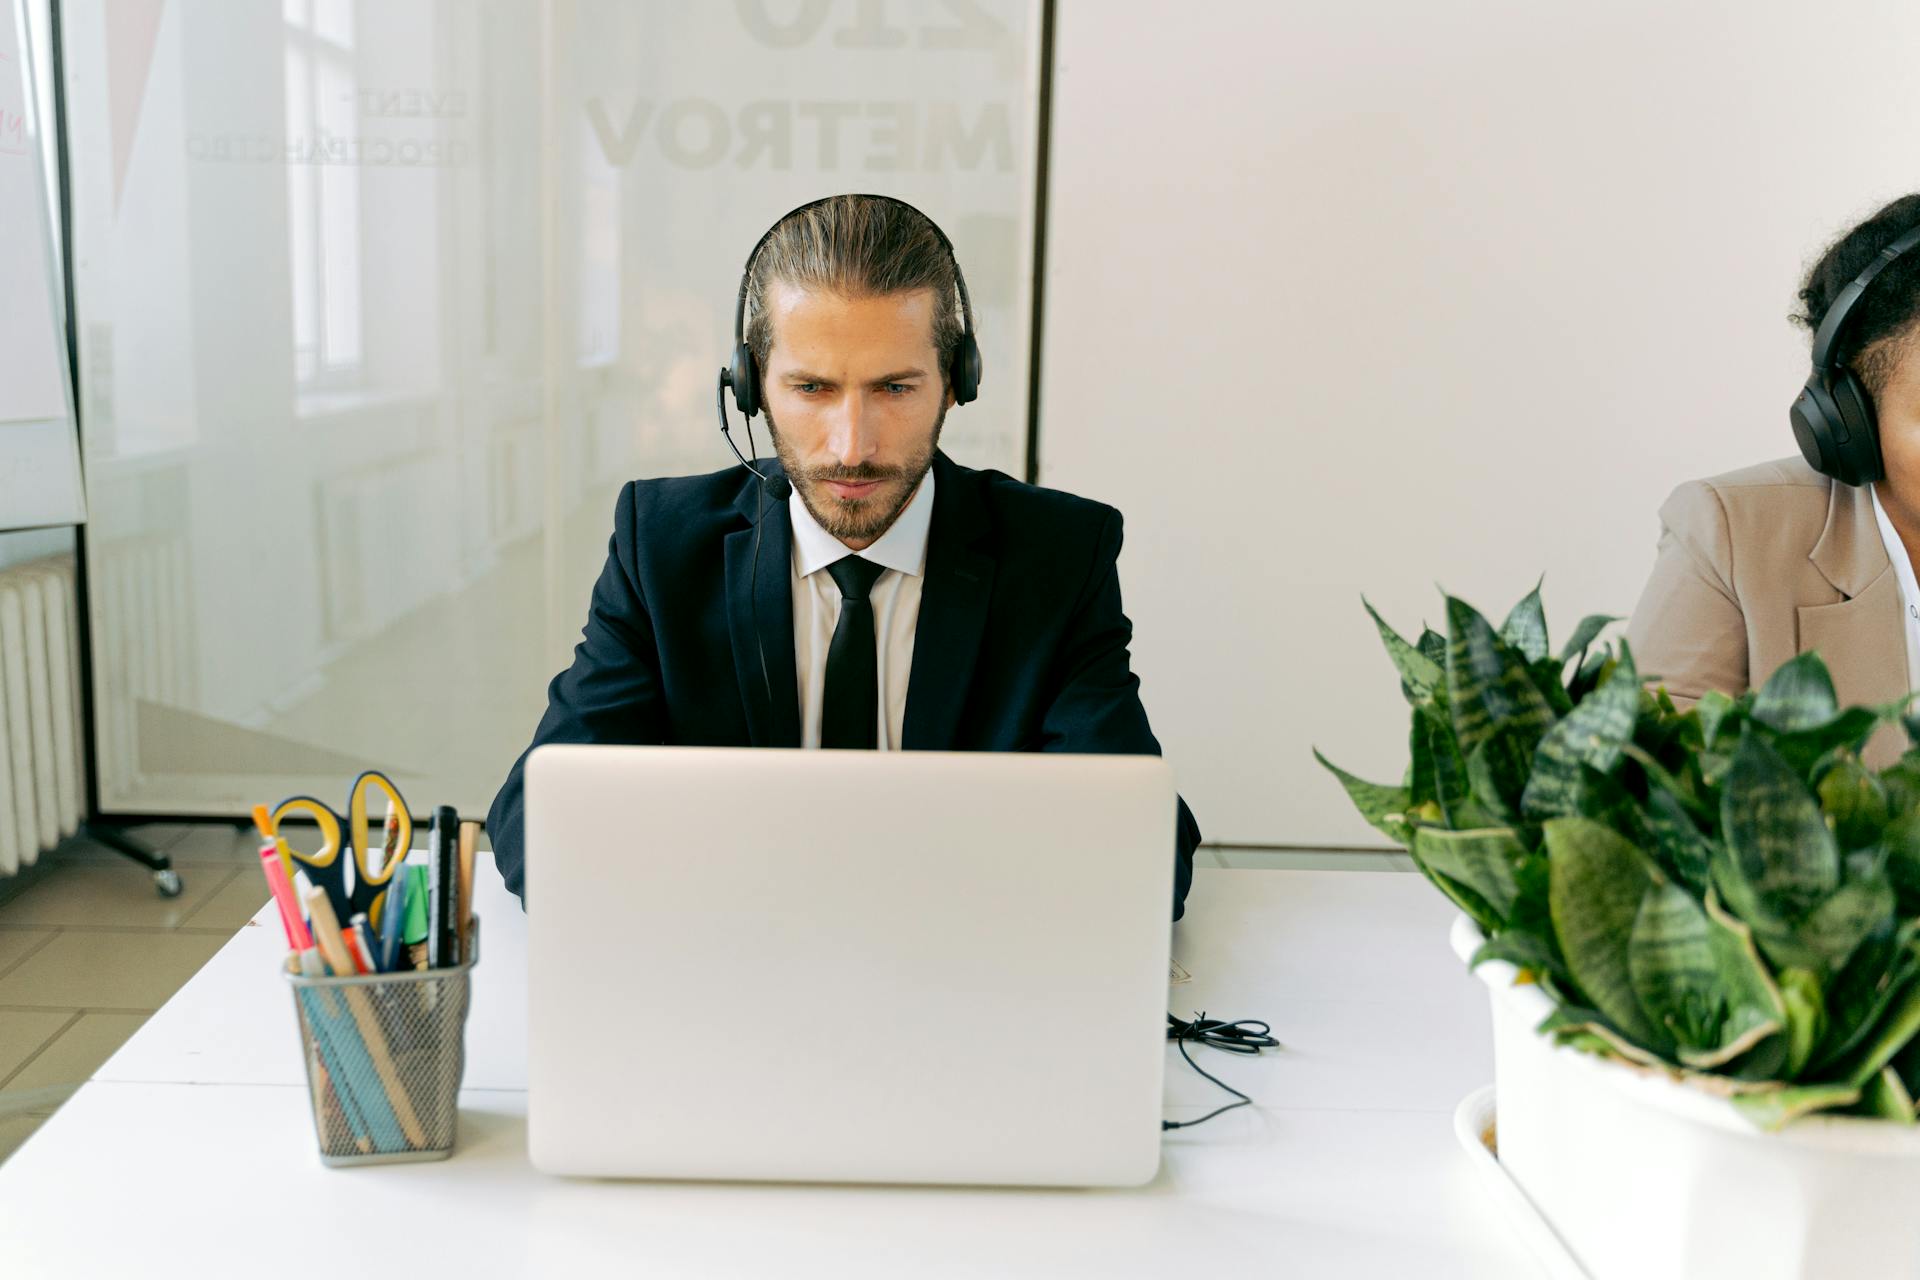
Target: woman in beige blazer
<point x="1761" y="564"/>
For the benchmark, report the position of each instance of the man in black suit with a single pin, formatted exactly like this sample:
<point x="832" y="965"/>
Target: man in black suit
<point x="866" y="591"/>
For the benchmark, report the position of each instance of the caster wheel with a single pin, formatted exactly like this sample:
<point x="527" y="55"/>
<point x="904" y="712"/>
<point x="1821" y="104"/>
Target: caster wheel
<point x="168" y="883"/>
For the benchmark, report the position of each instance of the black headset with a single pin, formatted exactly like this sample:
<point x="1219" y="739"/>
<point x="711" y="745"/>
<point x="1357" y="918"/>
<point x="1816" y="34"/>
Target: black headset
<point x="743" y="375"/>
<point x="1833" y="418"/>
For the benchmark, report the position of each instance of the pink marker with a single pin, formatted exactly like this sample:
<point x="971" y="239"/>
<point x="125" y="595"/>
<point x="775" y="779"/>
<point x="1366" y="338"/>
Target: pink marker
<point x="297" y="936"/>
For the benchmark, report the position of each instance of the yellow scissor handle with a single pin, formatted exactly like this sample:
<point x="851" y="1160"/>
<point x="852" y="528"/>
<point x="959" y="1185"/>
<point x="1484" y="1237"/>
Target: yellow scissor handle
<point x="329" y="823"/>
<point x="358" y="825"/>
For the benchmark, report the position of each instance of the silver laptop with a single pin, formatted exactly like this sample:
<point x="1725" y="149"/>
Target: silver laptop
<point x="847" y="966"/>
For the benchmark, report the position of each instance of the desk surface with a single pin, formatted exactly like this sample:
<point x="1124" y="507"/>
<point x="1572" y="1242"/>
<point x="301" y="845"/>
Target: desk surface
<point x="192" y="1150"/>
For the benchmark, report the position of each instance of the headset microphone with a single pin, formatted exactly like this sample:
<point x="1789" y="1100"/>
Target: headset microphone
<point x="1833" y="417"/>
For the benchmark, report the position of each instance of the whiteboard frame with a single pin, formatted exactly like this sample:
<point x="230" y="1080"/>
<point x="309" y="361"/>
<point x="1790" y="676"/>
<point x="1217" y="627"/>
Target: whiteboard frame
<point x="51" y="509"/>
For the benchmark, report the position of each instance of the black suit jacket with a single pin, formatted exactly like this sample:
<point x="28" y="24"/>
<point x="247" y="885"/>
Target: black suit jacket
<point x="1020" y="644"/>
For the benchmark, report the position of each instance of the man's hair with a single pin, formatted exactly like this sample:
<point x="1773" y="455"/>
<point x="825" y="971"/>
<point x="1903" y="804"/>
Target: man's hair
<point x="856" y="247"/>
<point x="1890" y="307"/>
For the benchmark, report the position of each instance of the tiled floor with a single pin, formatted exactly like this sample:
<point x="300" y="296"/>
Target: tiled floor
<point x="89" y="949"/>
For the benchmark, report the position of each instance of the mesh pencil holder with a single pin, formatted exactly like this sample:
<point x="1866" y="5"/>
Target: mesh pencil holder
<point x="385" y="1053"/>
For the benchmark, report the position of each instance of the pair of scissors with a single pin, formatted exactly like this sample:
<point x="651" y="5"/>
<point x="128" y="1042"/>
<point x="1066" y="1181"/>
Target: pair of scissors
<point x="345" y="842"/>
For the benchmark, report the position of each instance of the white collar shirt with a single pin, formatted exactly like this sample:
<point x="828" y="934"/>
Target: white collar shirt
<point x="902" y="553"/>
<point x="1909" y="590"/>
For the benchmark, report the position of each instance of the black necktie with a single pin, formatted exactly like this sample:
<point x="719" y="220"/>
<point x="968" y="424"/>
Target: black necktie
<point x="850" y="706"/>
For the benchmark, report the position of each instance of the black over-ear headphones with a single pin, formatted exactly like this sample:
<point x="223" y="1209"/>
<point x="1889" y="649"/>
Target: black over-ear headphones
<point x="743" y="375"/>
<point x="1833" y="418"/>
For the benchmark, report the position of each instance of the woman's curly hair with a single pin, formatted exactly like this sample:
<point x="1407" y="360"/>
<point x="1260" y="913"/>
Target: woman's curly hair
<point x="1884" y="319"/>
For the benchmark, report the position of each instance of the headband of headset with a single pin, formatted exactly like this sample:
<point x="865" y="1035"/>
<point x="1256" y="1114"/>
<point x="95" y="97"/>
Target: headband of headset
<point x="964" y="373"/>
<point x="1826" y="340"/>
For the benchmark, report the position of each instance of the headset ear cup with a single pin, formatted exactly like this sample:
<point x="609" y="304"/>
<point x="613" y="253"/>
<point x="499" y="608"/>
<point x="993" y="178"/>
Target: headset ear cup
<point x="1860" y="449"/>
<point x="1812" y="428"/>
<point x="745" y="376"/>
<point x="964" y="372"/>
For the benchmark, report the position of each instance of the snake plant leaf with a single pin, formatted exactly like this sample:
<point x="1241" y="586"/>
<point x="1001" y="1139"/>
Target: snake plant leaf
<point x="1901" y="840"/>
<point x="1484" y="861"/>
<point x="1460" y="895"/>
<point x="1384" y="808"/>
<point x="1697" y="974"/>
<point x="1597" y="882"/>
<point x="1434" y="646"/>
<point x="1846" y="733"/>
<point x="1861" y="993"/>
<point x="1592" y="670"/>
<point x="1897" y="711"/>
<point x="1907" y="1063"/>
<point x="1497" y="774"/>
<point x="1546" y="678"/>
<point x="1453" y="787"/>
<point x="1419" y="674"/>
<point x="1676" y="843"/>
<point x="1893" y="1033"/>
<point x="1756" y="1006"/>
<point x="1659" y="778"/>
<point x="1901" y="781"/>
<point x="1601" y="797"/>
<point x="1774" y="1109"/>
<point x="1775" y="935"/>
<point x="1765" y="1063"/>
<point x="1525" y="628"/>
<point x="1589" y="1031"/>
<point x="1855" y="803"/>
<point x="1532" y="907"/>
<point x="1798" y="696"/>
<point x="1886" y="1097"/>
<point x="1593" y="736"/>
<point x="1488" y="684"/>
<point x="1806" y="1018"/>
<point x="1718" y="714"/>
<point x="1910" y="721"/>
<point x="1836" y="928"/>
<point x="1529" y="952"/>
<point x="1584" y="635"/>
<point x="1777" y="837"/>
<point x="1671" y="966"/>
<point x="1420" y="783"/>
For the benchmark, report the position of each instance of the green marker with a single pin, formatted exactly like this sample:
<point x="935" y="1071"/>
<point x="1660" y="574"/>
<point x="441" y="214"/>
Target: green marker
<point x="415" y="930"/>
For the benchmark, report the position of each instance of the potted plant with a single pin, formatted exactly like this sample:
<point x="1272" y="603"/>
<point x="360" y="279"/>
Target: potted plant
<point x="1701" y="932"/>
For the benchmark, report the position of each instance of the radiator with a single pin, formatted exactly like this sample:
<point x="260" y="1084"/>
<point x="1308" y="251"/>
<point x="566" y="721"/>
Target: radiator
<point x="40" y="743"/>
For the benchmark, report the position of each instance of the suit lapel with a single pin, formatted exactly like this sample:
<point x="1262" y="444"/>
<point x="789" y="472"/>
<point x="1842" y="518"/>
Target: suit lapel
<point x="1849" y="553"/>
<point x="953" y="610"/>
<point x="1861" y="638"/>
<point x="771" y="604"/>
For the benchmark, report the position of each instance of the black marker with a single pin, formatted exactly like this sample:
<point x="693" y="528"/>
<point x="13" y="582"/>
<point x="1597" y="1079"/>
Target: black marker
<point x="443" y="889"/>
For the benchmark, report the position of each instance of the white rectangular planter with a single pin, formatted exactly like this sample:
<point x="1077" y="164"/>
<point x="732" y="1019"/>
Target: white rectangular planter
<point x="1645" y="1178"/>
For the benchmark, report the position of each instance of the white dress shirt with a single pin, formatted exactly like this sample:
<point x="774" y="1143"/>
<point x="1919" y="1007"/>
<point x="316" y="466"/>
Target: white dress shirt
<point x="1909" y="590"/>
<point x="902" y="552"/>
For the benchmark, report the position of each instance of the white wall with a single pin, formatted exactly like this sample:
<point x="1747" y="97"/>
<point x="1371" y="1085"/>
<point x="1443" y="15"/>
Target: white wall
<point x="1374" y="296"/>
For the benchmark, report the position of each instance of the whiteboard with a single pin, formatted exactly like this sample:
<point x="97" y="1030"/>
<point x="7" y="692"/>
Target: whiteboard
<point x="39" y="448"/>
<point x="1389" y="297"/>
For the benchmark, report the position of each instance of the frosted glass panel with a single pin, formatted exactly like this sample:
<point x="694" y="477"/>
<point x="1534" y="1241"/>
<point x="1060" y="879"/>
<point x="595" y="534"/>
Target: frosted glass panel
<point x="379" y="305"/>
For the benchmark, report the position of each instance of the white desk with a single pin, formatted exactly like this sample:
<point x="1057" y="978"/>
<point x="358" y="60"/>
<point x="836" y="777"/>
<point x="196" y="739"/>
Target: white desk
<point x="191" y="1152"/>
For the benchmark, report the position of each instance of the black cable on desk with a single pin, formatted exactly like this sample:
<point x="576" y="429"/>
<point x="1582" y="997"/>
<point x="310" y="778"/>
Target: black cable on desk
<point x="1248" y="1035"/>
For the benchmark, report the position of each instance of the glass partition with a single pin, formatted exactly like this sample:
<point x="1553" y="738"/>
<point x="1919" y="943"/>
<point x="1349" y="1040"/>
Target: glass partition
<point x="380" y="303"/>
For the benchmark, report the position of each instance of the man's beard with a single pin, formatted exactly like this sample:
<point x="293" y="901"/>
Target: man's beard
<point x="857" y="519"/>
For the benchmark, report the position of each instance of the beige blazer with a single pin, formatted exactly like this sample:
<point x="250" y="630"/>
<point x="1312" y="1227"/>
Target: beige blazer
<point x="1761" y="564"/>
